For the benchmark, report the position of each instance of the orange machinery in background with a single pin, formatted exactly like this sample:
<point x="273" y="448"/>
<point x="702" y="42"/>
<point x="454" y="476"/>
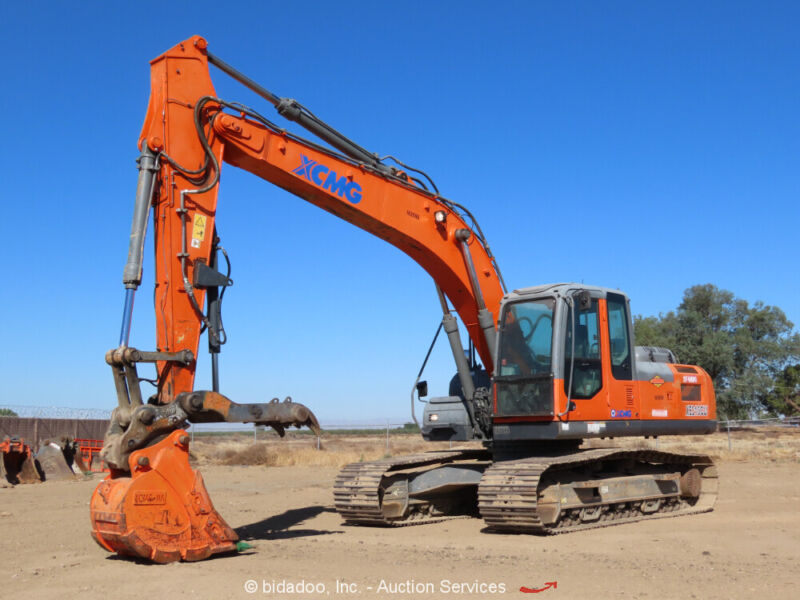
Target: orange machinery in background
<point x="90" y="451"/>
<point x="17" y="463"/>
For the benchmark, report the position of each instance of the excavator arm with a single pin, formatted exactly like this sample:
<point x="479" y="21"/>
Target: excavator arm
<point x="187" y="135"/>
<point x="188" y="127"/>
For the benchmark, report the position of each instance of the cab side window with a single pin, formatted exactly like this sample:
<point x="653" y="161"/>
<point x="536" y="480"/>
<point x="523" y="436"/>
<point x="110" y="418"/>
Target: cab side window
<point x="587" y="376"/>
<point x="619" y="337"/>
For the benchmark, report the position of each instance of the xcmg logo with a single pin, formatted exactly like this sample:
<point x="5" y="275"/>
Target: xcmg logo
<point x="323" y="176"/>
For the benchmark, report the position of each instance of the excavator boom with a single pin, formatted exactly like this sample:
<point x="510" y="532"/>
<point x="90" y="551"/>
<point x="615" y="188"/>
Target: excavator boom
<point x="188" y="133"/>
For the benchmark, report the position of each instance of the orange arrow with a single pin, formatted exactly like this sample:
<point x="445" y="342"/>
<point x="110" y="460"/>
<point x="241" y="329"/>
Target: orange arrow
<point x="547" y="586"/>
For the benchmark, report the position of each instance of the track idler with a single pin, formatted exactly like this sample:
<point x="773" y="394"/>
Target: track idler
<point x="161" y="510"/>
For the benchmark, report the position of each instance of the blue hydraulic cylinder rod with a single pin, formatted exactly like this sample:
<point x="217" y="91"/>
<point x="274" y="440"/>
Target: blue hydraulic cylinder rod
<point x="127" y="314"/>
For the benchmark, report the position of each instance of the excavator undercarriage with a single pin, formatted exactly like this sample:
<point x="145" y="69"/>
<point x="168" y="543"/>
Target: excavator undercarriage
<point x="543" y="494"/>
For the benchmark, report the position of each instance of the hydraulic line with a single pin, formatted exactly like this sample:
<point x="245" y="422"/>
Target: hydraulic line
<point x="457" y="208"/>
<point x="294" y="111"/>
<point x="421" y="369"/>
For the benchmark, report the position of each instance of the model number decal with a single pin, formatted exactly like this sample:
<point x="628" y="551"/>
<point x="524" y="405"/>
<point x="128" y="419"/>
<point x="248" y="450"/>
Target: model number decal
<point x="690" y="379"/>
<point x="150" y="497"/>
<point x="696" y="410"/>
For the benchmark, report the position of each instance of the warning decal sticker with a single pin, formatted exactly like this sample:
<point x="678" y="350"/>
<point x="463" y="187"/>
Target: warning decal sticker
<point x="198" y="230"/>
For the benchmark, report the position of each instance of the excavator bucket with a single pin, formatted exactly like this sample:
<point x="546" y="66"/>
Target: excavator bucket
<point x="53" y="462"/>
<point x="161" y="511"/>
<point x="80" y="464"/>
<point x="61" y="460"/>
<point x="72" y="455"/>
<point x="17" y="464"/>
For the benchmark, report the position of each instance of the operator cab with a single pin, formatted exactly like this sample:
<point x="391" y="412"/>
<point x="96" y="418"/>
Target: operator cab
<point x="566" y="368"/>
<point x="541" y="330"/>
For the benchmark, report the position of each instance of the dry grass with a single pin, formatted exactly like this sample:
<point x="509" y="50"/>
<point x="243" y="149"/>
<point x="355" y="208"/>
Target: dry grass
<point x="755" y="445"/>
<point x="762" y="444"/>
<point x="334" y="451"/>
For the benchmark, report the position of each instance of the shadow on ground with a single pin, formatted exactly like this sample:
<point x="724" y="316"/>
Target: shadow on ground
<point x="278" y="527"/>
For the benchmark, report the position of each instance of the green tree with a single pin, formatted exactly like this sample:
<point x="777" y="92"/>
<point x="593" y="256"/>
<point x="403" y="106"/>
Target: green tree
<point x="7" y="412"/>
<point x="744" y="348"/>
<point x="785" y="396"/>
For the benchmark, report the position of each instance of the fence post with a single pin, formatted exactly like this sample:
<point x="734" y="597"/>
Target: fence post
<point x="387" y="437"/>
<point x="729" y="434"/>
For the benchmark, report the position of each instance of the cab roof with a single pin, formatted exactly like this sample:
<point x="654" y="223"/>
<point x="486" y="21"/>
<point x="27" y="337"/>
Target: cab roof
<point x="560" y="289"/>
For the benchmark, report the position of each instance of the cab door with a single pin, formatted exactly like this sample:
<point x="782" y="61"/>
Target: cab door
<point x="623" y="392"/>
<point x="583" y="339"/>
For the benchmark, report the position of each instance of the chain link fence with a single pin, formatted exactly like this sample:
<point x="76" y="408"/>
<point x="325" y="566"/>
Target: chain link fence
<point x="387" y="428"/>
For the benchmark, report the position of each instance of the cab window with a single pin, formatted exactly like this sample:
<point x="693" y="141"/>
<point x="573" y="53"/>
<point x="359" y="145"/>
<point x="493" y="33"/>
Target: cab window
<point x="526" y="338"/>
<point x="619" y="338"/>
<point x="524" y="378"/>
<point x="587" y="378"/>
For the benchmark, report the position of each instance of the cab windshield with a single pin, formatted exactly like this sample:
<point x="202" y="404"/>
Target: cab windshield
<point x="526" y="339"/>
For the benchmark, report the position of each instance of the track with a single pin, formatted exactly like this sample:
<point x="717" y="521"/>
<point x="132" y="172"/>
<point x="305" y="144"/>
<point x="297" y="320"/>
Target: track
<point x="541" y="494"/>
<point x="359" y="492"/>
<point x="510" y="493"/>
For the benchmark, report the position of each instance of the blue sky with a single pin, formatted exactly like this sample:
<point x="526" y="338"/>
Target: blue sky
<point x="645" y="146"/>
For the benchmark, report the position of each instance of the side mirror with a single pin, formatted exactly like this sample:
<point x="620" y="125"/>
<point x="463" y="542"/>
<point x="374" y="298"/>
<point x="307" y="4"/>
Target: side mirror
<point x="422" y="389"/>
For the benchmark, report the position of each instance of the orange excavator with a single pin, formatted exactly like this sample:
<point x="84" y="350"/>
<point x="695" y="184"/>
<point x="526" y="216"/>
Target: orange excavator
<point x="546" y="368"/>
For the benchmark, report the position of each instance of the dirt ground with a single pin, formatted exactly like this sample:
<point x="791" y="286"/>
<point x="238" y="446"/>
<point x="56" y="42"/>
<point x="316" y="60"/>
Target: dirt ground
<point x="749" y="547"/>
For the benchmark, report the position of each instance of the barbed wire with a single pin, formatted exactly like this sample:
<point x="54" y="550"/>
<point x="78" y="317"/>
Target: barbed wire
<point x="57" y="412"/>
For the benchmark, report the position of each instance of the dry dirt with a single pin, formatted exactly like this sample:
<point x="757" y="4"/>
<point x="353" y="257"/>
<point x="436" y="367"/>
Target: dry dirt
<point x="749" y="547"/>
